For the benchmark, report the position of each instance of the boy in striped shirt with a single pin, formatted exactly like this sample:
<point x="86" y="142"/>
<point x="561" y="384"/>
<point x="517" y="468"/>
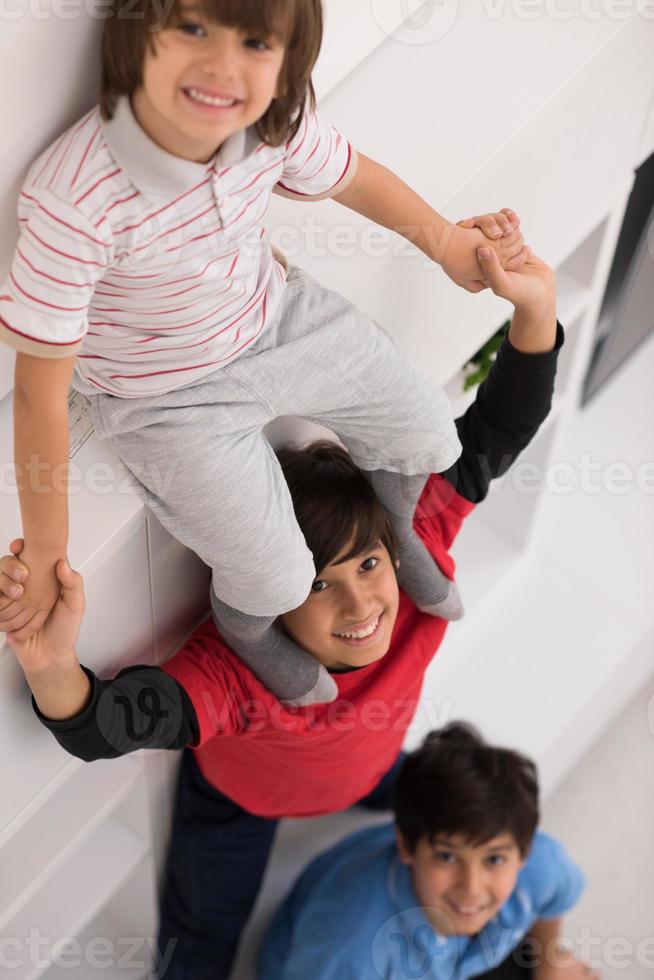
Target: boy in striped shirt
<point x="143" y="276"/>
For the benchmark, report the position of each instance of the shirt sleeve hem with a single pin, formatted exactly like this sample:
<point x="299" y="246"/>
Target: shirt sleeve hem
<point x="23" y="344"/>
<point x="342" y="183"/>
<point x="76" y="722"/>
<point x="545" y="358"/>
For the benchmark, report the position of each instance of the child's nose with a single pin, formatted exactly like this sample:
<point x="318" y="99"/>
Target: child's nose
<point x="356" y="604"/>
<point x="223" y="59"/>
<point x="470" y="882"/>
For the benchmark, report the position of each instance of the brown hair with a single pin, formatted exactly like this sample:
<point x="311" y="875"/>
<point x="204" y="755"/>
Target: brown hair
<point x="457" y="784"/>
<point x="298" y="24"/>
<point x="334" y="504"/>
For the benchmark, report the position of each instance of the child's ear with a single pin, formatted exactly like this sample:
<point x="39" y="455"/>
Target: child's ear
<point x="406" y="857"/>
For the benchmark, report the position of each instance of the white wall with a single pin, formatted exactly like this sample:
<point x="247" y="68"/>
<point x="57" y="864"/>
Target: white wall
<point x="50" y="72"/>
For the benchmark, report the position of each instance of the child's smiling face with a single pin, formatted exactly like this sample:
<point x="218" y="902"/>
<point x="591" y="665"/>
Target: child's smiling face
<point x="462" y="886"/>
<point x="197" y="62"/>
<point x="348" y="618"/>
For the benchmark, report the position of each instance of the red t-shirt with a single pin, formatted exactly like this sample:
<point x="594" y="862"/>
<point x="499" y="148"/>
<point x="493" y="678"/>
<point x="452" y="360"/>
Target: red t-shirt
<point x="297" y="762"/>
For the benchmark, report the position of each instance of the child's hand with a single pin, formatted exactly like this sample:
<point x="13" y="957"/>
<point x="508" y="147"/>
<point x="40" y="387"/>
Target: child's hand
<point x="56" y="638"/>
<point x="25" y="613"/>
<point x="532" y="290"/>
<point x="502" y="228"/>
<point x="495" y="224"/>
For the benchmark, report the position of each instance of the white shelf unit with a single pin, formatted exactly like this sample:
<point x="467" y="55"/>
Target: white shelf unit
<point x="489" y="549"/>
<point x="46" y="839"/>
<point x="118" y="943"/>
<point x="88" y="873"/>
<point x="503" y="563"/>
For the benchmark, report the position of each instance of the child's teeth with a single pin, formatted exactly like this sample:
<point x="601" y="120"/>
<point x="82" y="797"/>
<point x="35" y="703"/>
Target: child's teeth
<point x="209" y="99"/>
<point x="361" y="634"/>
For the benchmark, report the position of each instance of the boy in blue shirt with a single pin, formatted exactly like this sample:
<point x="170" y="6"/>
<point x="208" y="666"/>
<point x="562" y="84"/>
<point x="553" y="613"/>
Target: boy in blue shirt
<point x="451" y="890"/>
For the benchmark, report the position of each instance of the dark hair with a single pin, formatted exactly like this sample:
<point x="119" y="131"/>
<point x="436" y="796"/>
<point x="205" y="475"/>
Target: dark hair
<point x="334" y="503"/>
<point x="298" y="23"/>
<point x="457" y="784"/>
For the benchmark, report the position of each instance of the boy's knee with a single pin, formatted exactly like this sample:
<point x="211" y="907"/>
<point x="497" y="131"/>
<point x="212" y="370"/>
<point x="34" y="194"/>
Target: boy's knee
<point x="272" y="590"/>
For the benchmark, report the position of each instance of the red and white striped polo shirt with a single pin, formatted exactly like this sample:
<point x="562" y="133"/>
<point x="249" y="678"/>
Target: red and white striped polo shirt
<point x="153" y="269"/>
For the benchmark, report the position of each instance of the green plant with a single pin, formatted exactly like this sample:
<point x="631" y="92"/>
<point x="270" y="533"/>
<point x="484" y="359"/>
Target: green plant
<point x="483" y="359"/>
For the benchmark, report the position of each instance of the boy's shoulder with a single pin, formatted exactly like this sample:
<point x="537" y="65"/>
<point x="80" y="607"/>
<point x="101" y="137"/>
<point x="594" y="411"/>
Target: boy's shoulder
<point x="440" y="512"/>
<point x="220" y="685"/>
<point x="72" y="166"/>
<point x="327" y="924"/>
<point x="362" y="849"/>
<point x="550" y="881"/>
<point x="205" y="652"/>
<point x="338" y="887"/>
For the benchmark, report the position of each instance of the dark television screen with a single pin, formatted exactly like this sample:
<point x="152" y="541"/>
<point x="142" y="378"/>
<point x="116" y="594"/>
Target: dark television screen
<point x="627" y="312"/>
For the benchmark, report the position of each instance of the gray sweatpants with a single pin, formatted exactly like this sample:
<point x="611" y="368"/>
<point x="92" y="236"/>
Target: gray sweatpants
<point x="202" y="465"/>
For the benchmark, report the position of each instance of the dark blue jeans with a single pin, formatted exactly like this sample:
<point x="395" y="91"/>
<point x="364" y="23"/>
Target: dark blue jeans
<point x="216" y="860"/>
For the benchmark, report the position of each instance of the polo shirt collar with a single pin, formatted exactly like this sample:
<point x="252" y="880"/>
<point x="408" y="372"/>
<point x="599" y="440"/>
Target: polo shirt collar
<point x="152" y="169"/>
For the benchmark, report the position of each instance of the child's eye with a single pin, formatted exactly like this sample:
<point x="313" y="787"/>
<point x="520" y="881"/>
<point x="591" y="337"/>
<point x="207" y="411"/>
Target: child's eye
<point x="187" y="28"/>
<point x="445" y="857"/>
<point x="319" y="585"/>
<point x="369" y="563"/>
<point x="496" y="860"/>
<point x="256" y="44"/>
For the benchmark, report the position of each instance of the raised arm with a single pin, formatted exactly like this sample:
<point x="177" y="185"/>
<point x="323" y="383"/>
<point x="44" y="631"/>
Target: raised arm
<point x="517" y="395"/>
<point x="381" y="196"/>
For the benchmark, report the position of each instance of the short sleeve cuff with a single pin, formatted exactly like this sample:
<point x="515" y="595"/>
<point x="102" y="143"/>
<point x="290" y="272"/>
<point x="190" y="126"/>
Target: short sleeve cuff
<point x="24" y="344"/>
<point x="344" y="181"/>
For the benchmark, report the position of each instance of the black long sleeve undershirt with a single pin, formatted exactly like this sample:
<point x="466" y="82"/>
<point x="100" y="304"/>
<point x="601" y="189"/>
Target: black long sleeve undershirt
<point x="510" y="407"/>
<point x="141" y="708"/>
<point x="145" y="708"/>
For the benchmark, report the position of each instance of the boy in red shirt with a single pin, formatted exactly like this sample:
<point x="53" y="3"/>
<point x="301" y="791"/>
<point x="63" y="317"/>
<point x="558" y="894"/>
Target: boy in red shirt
<point x="254" y="760"/>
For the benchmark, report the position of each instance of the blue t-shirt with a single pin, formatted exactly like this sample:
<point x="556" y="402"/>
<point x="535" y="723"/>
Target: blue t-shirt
<point x="354" y="915"/>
